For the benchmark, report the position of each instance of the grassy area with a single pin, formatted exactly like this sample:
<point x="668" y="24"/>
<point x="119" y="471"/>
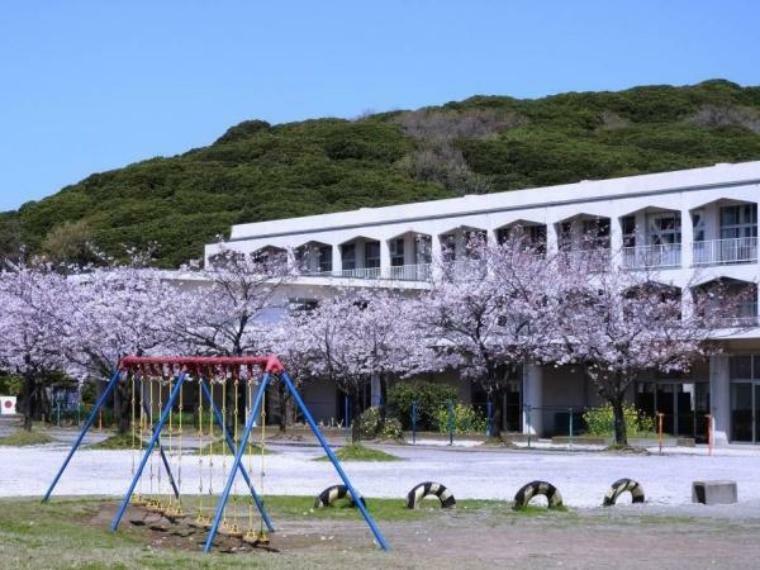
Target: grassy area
<point x="117" y="441"/>
<point x="358" y="452"/>
<point x="74" y="533"/>
<point x="70" y="533"/>
<point x="23" y="438"/>
<point x="218" y="447"/>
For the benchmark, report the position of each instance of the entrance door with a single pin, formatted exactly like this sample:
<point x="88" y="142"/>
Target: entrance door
<point x="684" y="406"/>
<point x="741" y="412"/>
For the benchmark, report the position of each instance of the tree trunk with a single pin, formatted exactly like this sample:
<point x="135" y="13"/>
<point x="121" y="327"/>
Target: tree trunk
<point x="354" y="412"/>
<point x="121" y="408"/>
<point x="621" y="434"/>
<point x="497" y="398"/>
<point x="383" y="398"/>
<point x="27" y="395"/>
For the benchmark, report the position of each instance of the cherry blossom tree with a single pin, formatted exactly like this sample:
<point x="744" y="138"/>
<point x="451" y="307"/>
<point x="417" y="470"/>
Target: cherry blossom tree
<point x="117" y="311"/>
<point x="231" y="305"/>
<point x="349" y="338"/>
<point x="31" y="332"/>
<point x="487" y="316"/>
<point x="617" y="324"/>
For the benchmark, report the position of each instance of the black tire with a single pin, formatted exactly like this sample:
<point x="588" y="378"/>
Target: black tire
<point x="430" y="488"/>
<point x="534" y="488"/>
<point x="334" y="493"/>
<point x="621" y="486"/>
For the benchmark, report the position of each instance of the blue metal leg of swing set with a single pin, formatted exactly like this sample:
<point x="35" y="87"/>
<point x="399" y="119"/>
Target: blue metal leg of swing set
<point x="285" y="377"/>
<point x="315" y="429"/>
<point x="153" y="440"/>
<point x="87" y="425"/>
<point x="231" y="446"/>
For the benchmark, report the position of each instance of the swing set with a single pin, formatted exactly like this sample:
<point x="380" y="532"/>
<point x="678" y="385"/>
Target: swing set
<point x="157" y="400"/>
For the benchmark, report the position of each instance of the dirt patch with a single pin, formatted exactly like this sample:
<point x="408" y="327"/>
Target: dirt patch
<point x="594" y="538"/>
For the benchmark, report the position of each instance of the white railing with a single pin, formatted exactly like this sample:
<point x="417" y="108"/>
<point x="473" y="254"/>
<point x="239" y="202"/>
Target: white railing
<point x="745" y="315"/>
<point x="721" y="251"/>
<point x="664" y="255"/>
<point x="418" y="272"/>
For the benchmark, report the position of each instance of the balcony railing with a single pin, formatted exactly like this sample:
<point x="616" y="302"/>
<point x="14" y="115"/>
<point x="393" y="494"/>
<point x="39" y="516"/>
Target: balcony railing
<point x="643" y="256"/>
<point x="418" y="272"/>
<point x="724" y="251"/>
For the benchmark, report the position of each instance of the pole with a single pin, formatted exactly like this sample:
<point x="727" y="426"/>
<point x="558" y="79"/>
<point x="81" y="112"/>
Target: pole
<point x="154" y="438"/>
<point x="571" y="427"/>
<point x="489" y="415"/>
<point x="451" y="423"/>
<point x="87" y="425"/>
<point x="334" y="460"/>
<point x="709" y="434"/>
<point x="231" y="446"/>
<point x="660" y="416"/>
<point x="254" y="412"/>
<point x="414" y="422"/>
<point x="345" y="416"/>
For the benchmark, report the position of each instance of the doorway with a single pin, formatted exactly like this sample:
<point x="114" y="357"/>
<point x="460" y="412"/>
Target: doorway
<point x="745" y="412"/>
<point x="684" y="406"/>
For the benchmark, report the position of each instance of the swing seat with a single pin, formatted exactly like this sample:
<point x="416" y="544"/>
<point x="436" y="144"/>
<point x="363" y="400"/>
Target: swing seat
<point x="201" y="522"/>
<point x="256" y="538"/>
<point x="231" y="531"/>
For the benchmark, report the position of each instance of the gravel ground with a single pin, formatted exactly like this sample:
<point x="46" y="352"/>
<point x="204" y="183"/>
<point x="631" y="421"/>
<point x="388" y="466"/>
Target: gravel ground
<point x="473" y="473"/>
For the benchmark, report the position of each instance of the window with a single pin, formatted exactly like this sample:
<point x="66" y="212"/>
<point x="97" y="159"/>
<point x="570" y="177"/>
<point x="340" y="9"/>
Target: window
<point x="348" y="253"/>
<point x="534" y="235"/>
<point x="628" y="226"/>
<point x="664" y="228"/>
<point x="325" y="258"/>
<point x="423" y="246"/>
<point x="448" y="248"/>
<point x="372" y="254"/>
<point x="698" y="222"/>
<point x="740" y="367"/>
<point x="738" y="221"/>
<point x="397" y="252"/>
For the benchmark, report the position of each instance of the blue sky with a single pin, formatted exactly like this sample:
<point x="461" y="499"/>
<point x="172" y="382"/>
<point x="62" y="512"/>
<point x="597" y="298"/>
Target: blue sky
<point x="90" y="86"/>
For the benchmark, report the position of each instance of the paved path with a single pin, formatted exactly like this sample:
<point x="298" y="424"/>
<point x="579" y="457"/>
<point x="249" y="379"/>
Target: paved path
<point x="582" y="477"/>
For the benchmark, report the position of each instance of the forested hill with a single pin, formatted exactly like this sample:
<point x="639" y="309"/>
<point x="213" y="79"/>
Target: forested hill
<point x="257" y="171"/>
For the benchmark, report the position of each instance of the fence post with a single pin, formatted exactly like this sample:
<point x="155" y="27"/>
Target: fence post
<point x="571" y="428"/>
<point x="660" y="416"/>
<point x="489" y="414"/>
<point x="345" y="417"/>
<point x="414" y="422"/>
<point x="451" y="424"/>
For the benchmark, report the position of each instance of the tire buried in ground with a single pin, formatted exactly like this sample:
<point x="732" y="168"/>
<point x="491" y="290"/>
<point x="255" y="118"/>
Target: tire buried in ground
<point x="621" y="486"/>
<point x="334" y="493"/>
<point x="535" y="488"/>
<point x="426" y="489"/>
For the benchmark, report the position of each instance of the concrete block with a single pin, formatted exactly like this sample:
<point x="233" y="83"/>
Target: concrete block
<point x="714" y="492"/>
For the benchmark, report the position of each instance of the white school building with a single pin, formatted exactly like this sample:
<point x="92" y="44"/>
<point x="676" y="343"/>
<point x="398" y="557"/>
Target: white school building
<point x="696" y="227"/>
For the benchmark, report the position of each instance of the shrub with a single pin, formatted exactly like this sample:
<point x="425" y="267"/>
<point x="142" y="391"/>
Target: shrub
<point x="466" y="419"/>
<point x="371" y="425"/>
<point x="601" y="420"/>
<point x="430" y="397"/>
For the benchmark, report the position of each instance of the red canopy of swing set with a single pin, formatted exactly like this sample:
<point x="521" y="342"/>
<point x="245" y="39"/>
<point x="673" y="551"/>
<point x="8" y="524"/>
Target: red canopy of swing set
<point x="268" y="363"/>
